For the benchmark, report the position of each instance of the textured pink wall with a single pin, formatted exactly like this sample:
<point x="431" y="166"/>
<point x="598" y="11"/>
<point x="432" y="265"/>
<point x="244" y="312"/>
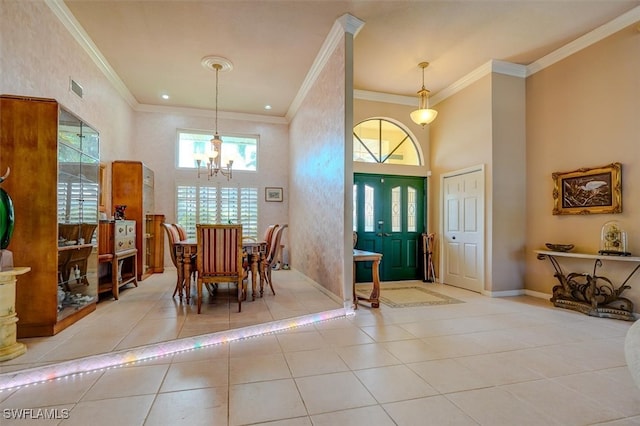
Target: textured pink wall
<point x="38" y="56"/>
<point x="317" y="178"/>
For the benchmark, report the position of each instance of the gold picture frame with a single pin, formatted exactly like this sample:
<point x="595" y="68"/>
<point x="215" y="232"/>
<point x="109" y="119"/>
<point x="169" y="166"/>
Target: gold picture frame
<point x="588" y="190"/>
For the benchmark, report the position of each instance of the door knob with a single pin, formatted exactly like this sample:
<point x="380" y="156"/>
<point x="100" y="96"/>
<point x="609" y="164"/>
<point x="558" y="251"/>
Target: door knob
<point x="453" y="238"/>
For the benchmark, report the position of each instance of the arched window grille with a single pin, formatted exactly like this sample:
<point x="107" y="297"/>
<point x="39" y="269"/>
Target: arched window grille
<point x="378" y="140"/>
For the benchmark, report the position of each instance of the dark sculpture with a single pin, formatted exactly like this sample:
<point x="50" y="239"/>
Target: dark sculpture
<point x="119" y="213"/>
<point x="7" y="218"/>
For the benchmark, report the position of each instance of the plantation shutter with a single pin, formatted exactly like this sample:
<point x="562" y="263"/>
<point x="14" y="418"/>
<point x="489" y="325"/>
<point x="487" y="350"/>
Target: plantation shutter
<point x="211" y="204"/>
<point x="229" y="205"/>
<point x="249" y="211"/>
<point x="207" y="205"/>
<point x="186" y="209"/>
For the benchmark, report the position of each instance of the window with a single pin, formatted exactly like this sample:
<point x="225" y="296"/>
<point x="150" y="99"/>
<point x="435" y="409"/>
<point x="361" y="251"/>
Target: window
<point x="369" y="206"/>
<point x="217" y="204"/>
<point x="242" y="149"/>
<point x="381" y="141"/>
<point x="396" y="209"/>
<point x="412" y="209"/>
<point x="355" y="208"/>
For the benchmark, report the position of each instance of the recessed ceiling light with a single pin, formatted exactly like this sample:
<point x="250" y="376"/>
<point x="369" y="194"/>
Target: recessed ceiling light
<point x="267" y="107"/>
<point x="165" y="96"/>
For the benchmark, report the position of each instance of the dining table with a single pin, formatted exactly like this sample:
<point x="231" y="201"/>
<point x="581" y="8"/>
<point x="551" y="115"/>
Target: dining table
<point x="186" y="250"/>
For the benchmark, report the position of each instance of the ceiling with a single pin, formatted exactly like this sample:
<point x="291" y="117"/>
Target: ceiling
<point x="155" y="46"/>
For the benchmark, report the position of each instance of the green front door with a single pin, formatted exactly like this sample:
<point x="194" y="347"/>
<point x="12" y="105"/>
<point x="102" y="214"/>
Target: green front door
<point x="389" y="219"/>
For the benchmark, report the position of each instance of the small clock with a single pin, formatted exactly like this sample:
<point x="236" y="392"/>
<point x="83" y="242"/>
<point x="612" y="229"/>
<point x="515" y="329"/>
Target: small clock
<point x="613" y="239"/>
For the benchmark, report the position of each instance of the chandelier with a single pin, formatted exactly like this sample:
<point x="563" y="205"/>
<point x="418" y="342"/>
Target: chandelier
<point x="423" y="115"/>
<point x="212" y="159"/>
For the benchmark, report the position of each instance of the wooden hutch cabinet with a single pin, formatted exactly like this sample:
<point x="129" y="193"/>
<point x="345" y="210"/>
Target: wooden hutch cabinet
<point x="54" y="161"/>
<point x="132" y="186"/>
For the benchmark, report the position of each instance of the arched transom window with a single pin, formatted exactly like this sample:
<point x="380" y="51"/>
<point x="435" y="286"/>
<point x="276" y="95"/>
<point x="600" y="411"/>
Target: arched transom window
<point x="381" y="141"/>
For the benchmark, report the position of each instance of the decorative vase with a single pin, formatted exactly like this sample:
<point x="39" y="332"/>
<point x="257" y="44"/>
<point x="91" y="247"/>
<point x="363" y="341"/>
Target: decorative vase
<point x="7" y="221"/>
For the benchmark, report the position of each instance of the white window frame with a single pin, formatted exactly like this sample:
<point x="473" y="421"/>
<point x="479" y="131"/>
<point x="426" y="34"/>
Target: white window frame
<point x="228" y="145"/>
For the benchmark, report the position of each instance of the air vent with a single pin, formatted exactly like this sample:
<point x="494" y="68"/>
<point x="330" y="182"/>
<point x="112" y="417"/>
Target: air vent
<point x="76" y="88"/>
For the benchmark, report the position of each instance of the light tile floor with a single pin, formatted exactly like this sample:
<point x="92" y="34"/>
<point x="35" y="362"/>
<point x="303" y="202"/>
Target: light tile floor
<point x="507" y="361"/>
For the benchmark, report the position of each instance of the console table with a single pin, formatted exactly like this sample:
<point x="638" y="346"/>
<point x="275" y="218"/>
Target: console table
<point x="368" y="256"/>
<point x="591" y="294"/>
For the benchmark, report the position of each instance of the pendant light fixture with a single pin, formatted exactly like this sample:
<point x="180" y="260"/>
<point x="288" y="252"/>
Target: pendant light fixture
<point x="423" y="115"/>
<point x="212" y="159"/>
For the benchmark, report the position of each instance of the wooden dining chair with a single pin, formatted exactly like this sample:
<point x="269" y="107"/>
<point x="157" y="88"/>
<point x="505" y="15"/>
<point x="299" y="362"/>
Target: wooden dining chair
<point x="268" y="237"/>
<point x="271" y="258"/>
<point x="266" y="242"/>
<point x="173" y="237"/>
<point x="219" y="258"/>
<point x="182" y="234"/>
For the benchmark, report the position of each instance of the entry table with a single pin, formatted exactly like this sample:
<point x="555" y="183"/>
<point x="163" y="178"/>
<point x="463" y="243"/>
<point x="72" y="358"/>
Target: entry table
<point x="368" y="256"/>
<point x="9" y="348"/>
<point x="591" y="294"/>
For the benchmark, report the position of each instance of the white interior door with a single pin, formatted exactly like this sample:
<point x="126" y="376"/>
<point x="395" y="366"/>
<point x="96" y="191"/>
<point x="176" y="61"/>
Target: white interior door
<point x="463" y="229"/>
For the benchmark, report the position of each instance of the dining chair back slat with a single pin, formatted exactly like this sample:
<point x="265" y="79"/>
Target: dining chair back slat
<point x="268" y="234"/>
<point x="182" y="233"/>
<point x="268" y="237"/>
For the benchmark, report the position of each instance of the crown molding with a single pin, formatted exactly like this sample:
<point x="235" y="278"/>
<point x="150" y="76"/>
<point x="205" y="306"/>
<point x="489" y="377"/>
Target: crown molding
<point x="79" y="34"/>
<point x="460" y="84"/>
<point x="350" y="24"/>
<point x="196" y="112"/>
<point x="345" y="24"/>
<point x="508" y="68"/>
<point x="629" y="18"/>
<point x="492" y="66"/>
<point x="385" y="98"/>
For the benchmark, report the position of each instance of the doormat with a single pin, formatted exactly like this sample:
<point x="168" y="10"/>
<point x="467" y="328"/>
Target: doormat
<point x="408" y="296"/>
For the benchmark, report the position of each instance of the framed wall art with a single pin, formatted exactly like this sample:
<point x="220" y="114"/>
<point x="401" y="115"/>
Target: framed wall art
<point x="272" y="194"/>
<point x="588" y="190"/>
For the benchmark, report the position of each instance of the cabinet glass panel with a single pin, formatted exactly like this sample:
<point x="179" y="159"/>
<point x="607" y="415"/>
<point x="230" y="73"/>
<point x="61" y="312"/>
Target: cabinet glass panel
<point x="90" y="142"/>
<point x="69" y="185"/>
<point x="90" y="171"/>
<point x="78" y="189"/>
<point x="70" y="130"/>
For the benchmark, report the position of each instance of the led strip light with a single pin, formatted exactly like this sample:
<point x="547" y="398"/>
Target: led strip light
<point x="45" y="373"/>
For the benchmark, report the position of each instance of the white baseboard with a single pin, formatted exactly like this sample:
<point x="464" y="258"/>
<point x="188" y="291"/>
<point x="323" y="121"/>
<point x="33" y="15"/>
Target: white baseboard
<point x="505" y="293"/>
